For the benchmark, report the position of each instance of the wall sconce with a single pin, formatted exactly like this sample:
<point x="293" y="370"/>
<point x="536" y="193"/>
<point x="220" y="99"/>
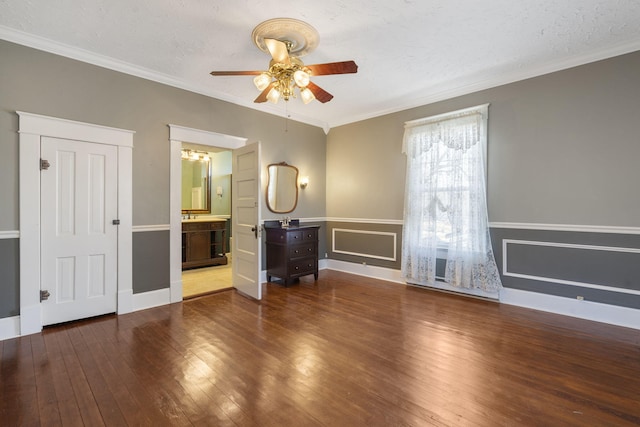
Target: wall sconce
<point x="304" y="181"/>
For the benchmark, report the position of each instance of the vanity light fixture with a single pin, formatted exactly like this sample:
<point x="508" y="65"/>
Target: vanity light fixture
<point x="188" y="154"/>
<point x="304" y="181"/>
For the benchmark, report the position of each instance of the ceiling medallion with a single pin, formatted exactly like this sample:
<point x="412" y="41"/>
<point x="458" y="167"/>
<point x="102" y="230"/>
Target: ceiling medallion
<point x="302" y="36"/>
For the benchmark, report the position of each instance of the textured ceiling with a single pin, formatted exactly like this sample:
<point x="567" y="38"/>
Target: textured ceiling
<point x="409" y="52"/>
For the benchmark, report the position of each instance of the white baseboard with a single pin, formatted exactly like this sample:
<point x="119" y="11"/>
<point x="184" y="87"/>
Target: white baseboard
<point x="125" y="301"/>
<point x="588" y="310"/>
<point x="150" y="299"/>
<point x="30" y="319"/>
<point x="176" y="291"/>
<point x="9" y="327"/>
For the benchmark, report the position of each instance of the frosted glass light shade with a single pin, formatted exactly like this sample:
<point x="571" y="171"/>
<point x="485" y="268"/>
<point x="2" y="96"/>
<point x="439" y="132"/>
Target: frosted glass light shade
<point x="262" y="81"/>
<point x="301" y="78"/>
<point x="273" y="95"/>
<point x="306" y="95"/>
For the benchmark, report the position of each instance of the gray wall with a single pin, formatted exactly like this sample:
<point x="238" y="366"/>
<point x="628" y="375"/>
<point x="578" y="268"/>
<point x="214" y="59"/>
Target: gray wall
<point x="150" y="267"/>
<point x="47" y="84"/>
<point x="9" y="276"/>
<point x="562" y="149"/>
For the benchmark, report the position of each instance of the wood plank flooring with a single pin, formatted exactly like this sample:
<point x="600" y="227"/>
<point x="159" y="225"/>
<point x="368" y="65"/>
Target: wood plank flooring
<point x="343" y="351"/>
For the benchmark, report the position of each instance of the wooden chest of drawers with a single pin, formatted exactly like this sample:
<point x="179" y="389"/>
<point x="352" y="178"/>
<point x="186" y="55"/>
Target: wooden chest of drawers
<point x="292" y="252"/>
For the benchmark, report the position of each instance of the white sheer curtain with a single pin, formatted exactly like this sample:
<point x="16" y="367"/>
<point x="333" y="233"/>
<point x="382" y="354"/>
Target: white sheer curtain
<point x="445" y="213"/>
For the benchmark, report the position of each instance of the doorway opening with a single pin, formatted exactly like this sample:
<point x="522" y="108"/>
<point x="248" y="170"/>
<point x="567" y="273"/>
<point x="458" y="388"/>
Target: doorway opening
<point x="206" y="220"/>
<point x="180" y="136"/>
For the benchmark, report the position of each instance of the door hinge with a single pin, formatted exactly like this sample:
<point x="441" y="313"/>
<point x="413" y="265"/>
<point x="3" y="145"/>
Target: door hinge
<point x="115" y="222"/>
<point x="44" y="295"/>
<point x="44" y="164"/>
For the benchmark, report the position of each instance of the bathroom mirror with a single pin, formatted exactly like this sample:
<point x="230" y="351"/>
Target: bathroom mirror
<point x="196" y="185"/>
<point x="282" y="188"/>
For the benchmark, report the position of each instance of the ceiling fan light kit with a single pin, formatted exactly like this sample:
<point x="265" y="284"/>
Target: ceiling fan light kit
<point x="286" y="40"/>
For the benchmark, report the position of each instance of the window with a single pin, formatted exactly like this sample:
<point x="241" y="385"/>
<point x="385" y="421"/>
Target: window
<point x="445" y="201"/>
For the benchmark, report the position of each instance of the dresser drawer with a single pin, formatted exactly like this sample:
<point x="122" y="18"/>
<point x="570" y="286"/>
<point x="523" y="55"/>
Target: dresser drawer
<point x="294" y="236"/>
<point x="303" y="249"/>
<point x="302" y="267"/>
<point x="310" y="235"/>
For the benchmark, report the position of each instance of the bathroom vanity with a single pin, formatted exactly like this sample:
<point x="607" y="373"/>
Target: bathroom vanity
<point x="203" y="242"/>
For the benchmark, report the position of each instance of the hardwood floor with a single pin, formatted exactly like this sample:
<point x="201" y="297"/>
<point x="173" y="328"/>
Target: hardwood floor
<point x="344" y="351"/>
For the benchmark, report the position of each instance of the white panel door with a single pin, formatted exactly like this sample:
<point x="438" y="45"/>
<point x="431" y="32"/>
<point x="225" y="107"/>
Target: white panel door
<point x="78" y="196"/>
<point x="245" y="217"/>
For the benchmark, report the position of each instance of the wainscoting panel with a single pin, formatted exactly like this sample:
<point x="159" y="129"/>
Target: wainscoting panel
<point x="585" y="265"/>
<point x="367" y="243"/>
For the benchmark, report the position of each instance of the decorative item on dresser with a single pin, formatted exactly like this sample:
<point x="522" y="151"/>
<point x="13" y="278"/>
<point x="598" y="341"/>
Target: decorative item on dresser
<point x="203" y="243"/>
<point x="292" y="251"/>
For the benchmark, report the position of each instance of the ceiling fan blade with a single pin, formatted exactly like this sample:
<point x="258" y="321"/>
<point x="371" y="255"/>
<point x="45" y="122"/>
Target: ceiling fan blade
<point x="344" y="67"/>
<point x="236" y="73"/>
<point x="278" y="51"/>
<point x="263" y="95"/>
<point x="320" y="94"/>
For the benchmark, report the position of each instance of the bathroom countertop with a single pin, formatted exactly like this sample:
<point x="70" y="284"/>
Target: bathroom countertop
<point x="204" y="219"/>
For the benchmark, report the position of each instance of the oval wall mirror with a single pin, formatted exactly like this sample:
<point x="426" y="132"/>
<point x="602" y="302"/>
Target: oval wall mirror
<point x="282" y="188"/>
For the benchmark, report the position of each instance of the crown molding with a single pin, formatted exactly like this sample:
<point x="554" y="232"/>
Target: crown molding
<point x="461" y="88"/>
<point x="82" y="55"/>
<point x="494" y="80"/>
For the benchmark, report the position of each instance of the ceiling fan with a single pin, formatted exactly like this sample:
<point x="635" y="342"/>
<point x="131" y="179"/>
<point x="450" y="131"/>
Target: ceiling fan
<point x="286" y="40"/>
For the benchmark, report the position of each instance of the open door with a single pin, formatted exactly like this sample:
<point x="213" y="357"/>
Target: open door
<point x="245" y="220"/>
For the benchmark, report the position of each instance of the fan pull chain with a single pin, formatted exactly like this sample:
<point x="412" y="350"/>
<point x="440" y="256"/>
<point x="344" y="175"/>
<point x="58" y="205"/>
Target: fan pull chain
<point x="286" y="117"/>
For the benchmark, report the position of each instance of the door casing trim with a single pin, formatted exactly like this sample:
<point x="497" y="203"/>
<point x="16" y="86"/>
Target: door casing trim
<point x="177" y="135"/>
<point x="32" y="127"/>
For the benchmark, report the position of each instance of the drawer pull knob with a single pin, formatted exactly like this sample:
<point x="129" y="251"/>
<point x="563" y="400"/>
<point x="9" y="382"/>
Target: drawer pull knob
<point x="297" y="251"/>
<point x="297" y="268"/>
